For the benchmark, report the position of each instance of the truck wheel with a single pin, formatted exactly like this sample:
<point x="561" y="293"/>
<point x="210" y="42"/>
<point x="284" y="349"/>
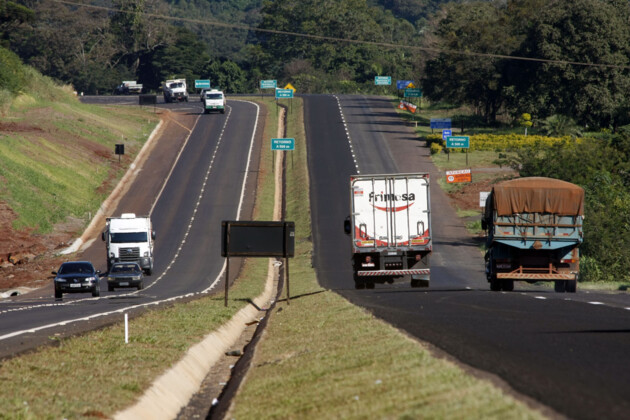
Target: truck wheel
<point x="96" y="291"/>
<point x="110" y="288"/>
<point x="58" y="294"/>
<point x="369" y="285"/>
<point x="507" y="285"/>
<point x="495" y="284"/>
<point x="571" y="286"/>
<point x="560" y="286"/>
<point x="359" y="283"/>
<point x="141" y="285"/>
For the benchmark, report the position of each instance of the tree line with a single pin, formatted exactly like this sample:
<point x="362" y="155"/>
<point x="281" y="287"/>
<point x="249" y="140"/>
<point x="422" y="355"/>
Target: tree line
<point x="456" y="50"/>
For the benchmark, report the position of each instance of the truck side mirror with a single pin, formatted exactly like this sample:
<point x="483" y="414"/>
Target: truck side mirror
<point x="347" y="226"/>
<point x="484" y="224"/>
<point x="153" y="235"/>
<point x="103" y="236"/>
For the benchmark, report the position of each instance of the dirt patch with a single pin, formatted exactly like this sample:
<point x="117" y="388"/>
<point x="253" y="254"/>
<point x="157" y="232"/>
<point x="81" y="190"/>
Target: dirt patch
<point x="467" y="197"/>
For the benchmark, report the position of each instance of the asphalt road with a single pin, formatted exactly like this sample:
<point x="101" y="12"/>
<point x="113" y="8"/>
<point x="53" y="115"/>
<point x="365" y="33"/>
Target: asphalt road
<point x="566" y="351"/>
<point x="203" y="171"/>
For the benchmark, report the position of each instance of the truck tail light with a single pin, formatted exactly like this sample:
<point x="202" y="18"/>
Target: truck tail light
<point x="568" y="260"/>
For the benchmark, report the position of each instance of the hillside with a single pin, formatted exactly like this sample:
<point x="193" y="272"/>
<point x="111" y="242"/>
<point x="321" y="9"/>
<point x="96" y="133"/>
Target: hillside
<point x="57" y="164"/>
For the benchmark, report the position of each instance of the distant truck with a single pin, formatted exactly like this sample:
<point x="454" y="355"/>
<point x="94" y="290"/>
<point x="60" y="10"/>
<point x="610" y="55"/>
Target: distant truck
<point x="175" y="90"/>
<point x="534" y="229"/>
<point x="128" y="87"/>
<point x="214" y="100"/>
<point x="129" y="238"/>
<point x="390" y="227"/>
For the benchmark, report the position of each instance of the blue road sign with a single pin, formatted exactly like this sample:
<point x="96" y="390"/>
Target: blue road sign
<point x="202" y="84"/>
<point x="446" y="133"/>
<point x="282" y="144"/>
<point x="458" y="142"/>
<point x="402" y="84"/>
<point x="440" y="123"/>
<point x="382" y="80"/>
<point x="268" y="84"/>
<point x="284" y="93"/>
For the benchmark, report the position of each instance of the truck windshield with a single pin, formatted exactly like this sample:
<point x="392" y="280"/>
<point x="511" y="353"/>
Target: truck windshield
<point x="214" y="96"/>
<point x="121" y="238"/>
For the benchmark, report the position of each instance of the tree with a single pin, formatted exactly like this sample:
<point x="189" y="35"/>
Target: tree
<point x="585" y="31"/>
<point x="456" y="77"/>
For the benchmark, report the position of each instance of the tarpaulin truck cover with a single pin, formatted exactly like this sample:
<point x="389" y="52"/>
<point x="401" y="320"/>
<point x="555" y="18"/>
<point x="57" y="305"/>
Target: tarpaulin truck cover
<point x="537" y="195"/>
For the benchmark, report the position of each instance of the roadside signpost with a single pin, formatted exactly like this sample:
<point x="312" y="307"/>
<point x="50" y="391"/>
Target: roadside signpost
<point x="458" y="142"/>
<point x="404" y="84"/>
<point x="268" y="84"/>
<point x="440" y="123"/>
<point x="202" y="84"/>
<point x="461" y="175"/>
<point x="382" y="80"/>
<point x="413" y="93"/>
<point x="282" y="144"/>
<point x="284" y="93"/>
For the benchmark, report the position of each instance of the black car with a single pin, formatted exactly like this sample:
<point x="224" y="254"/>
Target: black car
<point x="125" y="274"/>
<point x="77" y="277"/>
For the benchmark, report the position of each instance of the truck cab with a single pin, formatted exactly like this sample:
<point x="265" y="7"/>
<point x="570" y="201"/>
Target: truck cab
<point x="129" y="238"/>
<point x="214" y="100"/>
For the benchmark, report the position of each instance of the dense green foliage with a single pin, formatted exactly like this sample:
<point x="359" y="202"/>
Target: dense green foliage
<point x="602" y="167"/>
<point x="563" y="32"/>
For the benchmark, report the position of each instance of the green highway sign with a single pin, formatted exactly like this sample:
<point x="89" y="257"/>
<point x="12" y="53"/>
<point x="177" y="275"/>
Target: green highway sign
<point x="282" y="144"/>
<point x="413" y="93"/>
<point x="458" y="142"/>
<point x="284" y="93"/>
<point x="268" y="84"/>
<point x="382" y="80"/>
<point x="202" y="84"/>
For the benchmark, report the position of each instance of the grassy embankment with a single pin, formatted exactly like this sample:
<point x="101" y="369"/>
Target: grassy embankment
<point x="57" y="156"/>
<point x="308" y="365"/>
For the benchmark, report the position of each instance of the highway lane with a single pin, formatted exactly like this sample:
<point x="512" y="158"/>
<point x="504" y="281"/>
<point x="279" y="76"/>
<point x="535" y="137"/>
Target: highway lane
<point x="567" y="351"/>
<point x="204" y="187"/>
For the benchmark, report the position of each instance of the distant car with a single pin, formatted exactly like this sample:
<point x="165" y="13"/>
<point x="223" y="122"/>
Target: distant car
<point x="125" y="274"/>
<point x="202" y="95"/>
<point x="77" y="277"/>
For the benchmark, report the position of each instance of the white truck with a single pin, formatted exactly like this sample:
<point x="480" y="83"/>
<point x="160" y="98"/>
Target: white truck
<point x="214" y="100"/>
<point x="390" y="227"/>
<point x="128" y="87"/>
<point x="129" y="238"/>
<point x="175" y="90"/>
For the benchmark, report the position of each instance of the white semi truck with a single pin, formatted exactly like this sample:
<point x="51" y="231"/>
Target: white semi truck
<point x="390" y="227"/>
<point x="129" y="238"/>
<point x="175" y="90"/>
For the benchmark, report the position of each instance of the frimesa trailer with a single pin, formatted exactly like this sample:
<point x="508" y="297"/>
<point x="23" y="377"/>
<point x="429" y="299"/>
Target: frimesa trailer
<point x="534" y="229"/>
<point x="390" y="227"/>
